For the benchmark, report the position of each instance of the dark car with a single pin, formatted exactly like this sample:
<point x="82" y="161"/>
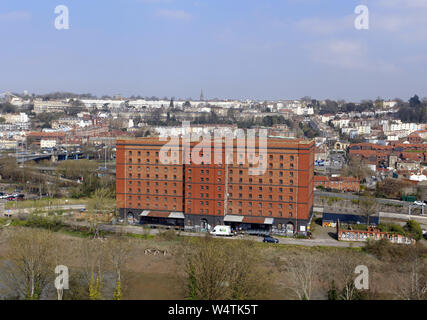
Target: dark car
<point x="270" y="239"/>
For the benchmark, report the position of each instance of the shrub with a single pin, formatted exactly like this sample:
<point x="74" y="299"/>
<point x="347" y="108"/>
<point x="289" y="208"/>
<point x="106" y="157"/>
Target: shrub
<point x="397" y="229"/>
<point x="414" y="229"/>
<point x="168" y="235"/>
<point x="386" y="251"/>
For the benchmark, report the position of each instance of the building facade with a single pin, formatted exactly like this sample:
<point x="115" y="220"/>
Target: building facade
<point x="197" y="188"/>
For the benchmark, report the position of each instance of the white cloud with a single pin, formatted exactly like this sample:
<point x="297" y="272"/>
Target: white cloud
<point x="403" y="3"/>
<point x="345" y="54"/>
<point x="409" y="27"/>
<point x="349" y="55"/>
<point x="174" y="14"/>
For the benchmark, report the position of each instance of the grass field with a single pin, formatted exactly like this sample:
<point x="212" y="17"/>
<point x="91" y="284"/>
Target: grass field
<point x="43" y="203"/>
<point x="160" y="276"/>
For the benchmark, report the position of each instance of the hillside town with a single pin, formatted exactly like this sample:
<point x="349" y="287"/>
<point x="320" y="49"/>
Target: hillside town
<point x="370" y="132"/>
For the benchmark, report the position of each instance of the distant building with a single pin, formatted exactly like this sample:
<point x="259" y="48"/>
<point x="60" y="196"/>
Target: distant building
<point x="349" y="184"/>
<point x="372" y="233"/>
<point x="47" y="144"/>
<point x="41" y="106"/>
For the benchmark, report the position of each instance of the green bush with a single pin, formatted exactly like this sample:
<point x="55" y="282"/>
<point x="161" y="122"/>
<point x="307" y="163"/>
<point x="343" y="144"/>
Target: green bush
<point x="33" y="221"/>
<point x="414" y="229"/>
<point x="168" y="235"/>
<point x="397" y="229"/>
<point x="393" y="227"/>
<point x="385" y="250"/>
<point x="300" y="236"/>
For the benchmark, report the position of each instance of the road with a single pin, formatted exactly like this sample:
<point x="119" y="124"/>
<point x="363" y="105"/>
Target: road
<point x="62" y="207"/>
<point x="405" y="217"/>
<point x="287" y="241"/>
<point x="348" y="196"/>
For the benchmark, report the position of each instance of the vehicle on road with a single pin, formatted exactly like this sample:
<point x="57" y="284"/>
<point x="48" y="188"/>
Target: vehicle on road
<point x="15" y="197"/>
<point x="270" y="239"/>
<point x="222" y="231"/>
<point x="419" y="203"/>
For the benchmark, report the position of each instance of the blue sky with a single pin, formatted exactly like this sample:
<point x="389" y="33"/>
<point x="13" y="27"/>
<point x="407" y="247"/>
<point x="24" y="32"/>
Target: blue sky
<point x="269" y="49"/>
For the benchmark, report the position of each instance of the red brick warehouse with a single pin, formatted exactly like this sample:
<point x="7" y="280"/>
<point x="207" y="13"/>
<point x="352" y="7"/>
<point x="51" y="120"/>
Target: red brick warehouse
<point x="193" y="193"/>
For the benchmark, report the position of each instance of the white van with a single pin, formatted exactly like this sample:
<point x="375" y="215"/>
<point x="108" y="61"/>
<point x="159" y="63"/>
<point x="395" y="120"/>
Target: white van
<point x="221" y="231"/>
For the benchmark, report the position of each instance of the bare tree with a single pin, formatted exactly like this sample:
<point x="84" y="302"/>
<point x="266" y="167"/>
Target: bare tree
<point x="302" y="273"/>
<point x="100" y="205"/>
<point x="93" y="254"/>
<point x="118" y="253"/>
<point x="217" y="269"/>
<point x="343" y="275"/>
<point x="30" y="262"/>
<point x="413" y="282"/>
<point x="368" y="207"/>
<point x="356" y="168"/>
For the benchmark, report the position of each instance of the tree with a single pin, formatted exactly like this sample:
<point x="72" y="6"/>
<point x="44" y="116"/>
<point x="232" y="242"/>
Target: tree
<point x="302" y="273"/>
<point x="74" y="169"/>
<point x="30" y="262"/>
<point x="101" y="204"/>
<point x="94" y="259"/>
<point x="414" y="101"/>
<point x="413" y="280"/>
<point x="217" y="269"/>
<point x="343" y="275"/>
<point x="368" y="207"/>
<point x="391" y="188"/>
<point x="414" y="229"/>
<point x="118" y="254"/>
<point x="7" y="108"/>
<point x="333" y="292"/>
<point x="356" y="168"/>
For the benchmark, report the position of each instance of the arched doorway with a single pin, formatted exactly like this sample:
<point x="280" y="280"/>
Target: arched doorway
<point x="130" y="218"/>
<point x="204" y="224"/>
<point x="290" y="228"/>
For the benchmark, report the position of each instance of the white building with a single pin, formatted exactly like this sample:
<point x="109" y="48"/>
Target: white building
<point x="15" y="118"/>
<point x="47" y="144"/>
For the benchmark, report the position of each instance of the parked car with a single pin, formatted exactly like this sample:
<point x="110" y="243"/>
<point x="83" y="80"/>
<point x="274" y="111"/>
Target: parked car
<point x="419" y="203"/>
<point x="270" y="239"/>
